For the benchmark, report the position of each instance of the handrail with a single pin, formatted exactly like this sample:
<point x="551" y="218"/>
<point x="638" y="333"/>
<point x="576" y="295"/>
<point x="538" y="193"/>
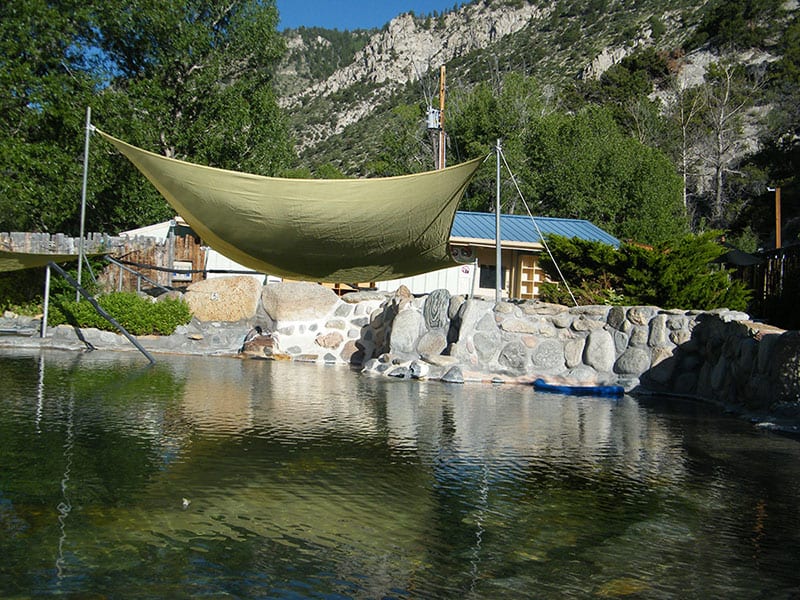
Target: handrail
<point x="139" y="275"/>
<point x="102" y="312"/>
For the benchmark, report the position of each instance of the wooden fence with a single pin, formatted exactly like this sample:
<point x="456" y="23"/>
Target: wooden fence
<point x="776" y="287"/>
<point x="167" y="255"/>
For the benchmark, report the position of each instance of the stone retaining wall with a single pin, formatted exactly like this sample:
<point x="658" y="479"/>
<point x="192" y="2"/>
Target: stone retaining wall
<point x="718" y="355"/>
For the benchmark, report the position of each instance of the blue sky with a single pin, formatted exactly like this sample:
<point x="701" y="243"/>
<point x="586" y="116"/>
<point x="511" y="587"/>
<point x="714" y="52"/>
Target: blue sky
<point x="353" y="14"/>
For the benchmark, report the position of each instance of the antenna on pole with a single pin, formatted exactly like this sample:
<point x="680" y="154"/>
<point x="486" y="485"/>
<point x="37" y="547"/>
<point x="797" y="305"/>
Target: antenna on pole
<point x="435" y="123"/>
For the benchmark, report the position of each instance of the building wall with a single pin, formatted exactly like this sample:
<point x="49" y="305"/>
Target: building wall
<point x="521" y="275"/>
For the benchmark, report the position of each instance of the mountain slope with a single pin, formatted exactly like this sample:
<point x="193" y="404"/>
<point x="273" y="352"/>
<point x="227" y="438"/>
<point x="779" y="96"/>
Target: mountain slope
<point x="556" y="42"/>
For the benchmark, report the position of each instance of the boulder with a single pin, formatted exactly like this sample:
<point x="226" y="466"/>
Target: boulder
<point x="786" y="367"/>
<point x="224" y="298"/>
<point x="432" y="342"/>
<point x="406" y="329"/>
<point x="435" y="309"/>
<point x="600" y="352"/>
<point x="298" y="301"/>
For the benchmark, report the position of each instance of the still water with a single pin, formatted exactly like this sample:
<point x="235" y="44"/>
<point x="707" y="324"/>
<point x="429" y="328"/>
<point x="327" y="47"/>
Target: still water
<point x="219" y="477"/>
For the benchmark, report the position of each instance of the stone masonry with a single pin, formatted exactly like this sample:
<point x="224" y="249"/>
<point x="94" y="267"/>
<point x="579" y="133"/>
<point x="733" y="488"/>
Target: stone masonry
<point x="717" y="355"/>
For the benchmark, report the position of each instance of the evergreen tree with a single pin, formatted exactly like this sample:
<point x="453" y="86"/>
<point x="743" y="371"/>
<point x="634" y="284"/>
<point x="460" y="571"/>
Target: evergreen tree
<point x="680" y="274"/>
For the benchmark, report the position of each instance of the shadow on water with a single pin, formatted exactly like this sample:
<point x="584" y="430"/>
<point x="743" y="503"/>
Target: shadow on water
<point x="255" y="478"/>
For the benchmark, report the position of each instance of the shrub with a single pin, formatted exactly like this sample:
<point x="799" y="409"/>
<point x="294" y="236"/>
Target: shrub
<point x="680" y="274"/>
<point x="138" y="315"/>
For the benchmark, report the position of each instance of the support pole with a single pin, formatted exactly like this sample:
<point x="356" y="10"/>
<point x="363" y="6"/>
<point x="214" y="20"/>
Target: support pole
<point x="102" y="312"/>
<point x="498" y="246"/>
<point x="83" y="194"/>
<point x="777" y="191"/>
<point x="46" y="308"/>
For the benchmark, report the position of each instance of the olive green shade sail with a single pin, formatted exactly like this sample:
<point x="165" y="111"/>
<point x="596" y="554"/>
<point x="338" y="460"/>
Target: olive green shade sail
<point x="326" y="230"/>
<point x="16" y="261"/>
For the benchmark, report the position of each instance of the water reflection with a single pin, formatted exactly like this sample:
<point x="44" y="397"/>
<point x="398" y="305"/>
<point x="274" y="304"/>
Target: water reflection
<point x="309" y="481"/>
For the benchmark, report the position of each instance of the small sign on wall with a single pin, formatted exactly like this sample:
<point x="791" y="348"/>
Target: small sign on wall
<point x="182" y="265"/>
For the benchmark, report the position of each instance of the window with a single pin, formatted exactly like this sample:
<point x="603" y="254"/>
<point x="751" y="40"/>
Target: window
<point x="489" y="277"/>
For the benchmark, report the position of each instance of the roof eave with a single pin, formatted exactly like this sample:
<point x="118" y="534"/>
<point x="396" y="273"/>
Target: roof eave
<point x="487" y="243"/>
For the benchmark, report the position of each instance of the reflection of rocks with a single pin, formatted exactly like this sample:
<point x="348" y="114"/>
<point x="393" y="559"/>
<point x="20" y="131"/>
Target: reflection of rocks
<point x="215" y="400"/>
<point x="582" y="432"/>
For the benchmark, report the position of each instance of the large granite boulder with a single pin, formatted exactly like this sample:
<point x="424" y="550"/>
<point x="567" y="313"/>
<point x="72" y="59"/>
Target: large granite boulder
<point x="224" y="298"/>
<point x="297" y="301"/>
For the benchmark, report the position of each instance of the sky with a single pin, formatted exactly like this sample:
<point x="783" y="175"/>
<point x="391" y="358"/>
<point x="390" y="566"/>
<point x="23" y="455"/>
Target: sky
<point x="353" y="14"/>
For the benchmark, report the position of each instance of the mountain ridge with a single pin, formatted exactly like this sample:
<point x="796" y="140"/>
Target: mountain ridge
<point x="538" y="38"/>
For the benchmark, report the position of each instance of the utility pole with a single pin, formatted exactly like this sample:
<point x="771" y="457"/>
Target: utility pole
<point x="442" y="140"/>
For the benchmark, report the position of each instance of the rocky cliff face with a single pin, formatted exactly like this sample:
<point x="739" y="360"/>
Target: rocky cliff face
<point x="405" y="49"/>
<point x="545" y="40"/>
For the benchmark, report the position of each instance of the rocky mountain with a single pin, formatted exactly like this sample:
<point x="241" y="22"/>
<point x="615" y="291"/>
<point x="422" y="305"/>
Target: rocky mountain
<point x="336" y="111"/>
<point x="400" y="53"/>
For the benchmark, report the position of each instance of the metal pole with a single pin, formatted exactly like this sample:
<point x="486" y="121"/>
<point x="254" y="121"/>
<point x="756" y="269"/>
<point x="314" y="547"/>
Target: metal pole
<point x="102" y="312"/>
<point x="499" y="250"/>
<point x="46" y="309"/>
<point x="83" y="194"/>
<point x="777" y="217"/>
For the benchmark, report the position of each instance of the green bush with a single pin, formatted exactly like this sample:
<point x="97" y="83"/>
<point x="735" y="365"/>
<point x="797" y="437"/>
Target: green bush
<point x="138" y="315"/>
<point x="681" y="274"/>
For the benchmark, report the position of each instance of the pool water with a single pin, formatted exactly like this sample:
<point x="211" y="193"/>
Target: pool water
<point x="219" y="477"/>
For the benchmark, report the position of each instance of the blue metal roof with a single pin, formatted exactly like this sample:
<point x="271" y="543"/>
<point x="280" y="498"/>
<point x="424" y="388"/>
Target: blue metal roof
<point x="520" y="228"/>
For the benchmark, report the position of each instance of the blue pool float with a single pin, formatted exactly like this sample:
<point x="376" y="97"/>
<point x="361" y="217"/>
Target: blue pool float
<point x="609" y="391"/>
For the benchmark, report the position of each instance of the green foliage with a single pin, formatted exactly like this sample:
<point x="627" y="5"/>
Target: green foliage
<point x="477" y="118"/>
<point x="591" y="269"/>
<point x="140" y="316"/>
<point x="656" y="27"/>
<point x="681" y="274"/>
<point x="404" y="147"/>
<point x="46" y="82"/>
<point x="584" y="167"/>
<point x="186" y="78"/>
<point x="738" y="22"/>
<point x="337" y="50"/>
<point x="745" y="240"/>
<point x="21" y="291"/>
